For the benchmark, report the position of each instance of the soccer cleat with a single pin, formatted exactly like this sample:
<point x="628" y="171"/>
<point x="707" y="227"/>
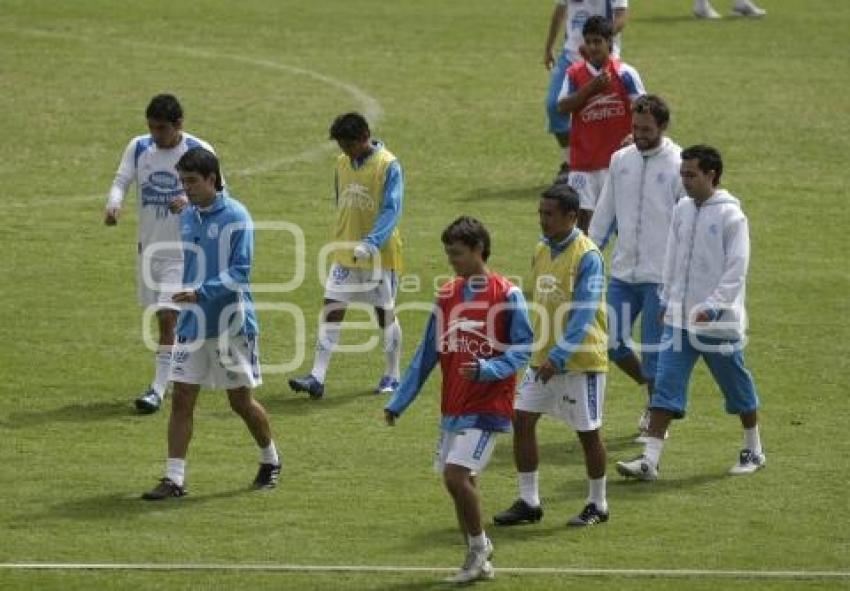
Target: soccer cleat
<point x="266" y="476"/>
<point x="639" y="468"/>
<point x="476" y="566"/>
<point x="166" y="488"/>
<point x="387" y="385"/>
<point x="309" y="384"/>
<point x="707" y="12"/>
<point x="149" y="402"/>
<point x="747" y="8"/>
<point x="590" y="515"/>
<point x="748" y="462"/>
<point x="519" y="512"/>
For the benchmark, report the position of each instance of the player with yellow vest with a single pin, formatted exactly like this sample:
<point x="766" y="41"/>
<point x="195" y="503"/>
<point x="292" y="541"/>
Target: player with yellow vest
<point x="367" y="249"/>
<point x="566" y="377"/>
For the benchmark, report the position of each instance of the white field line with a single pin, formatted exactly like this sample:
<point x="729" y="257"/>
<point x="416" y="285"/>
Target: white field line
<point x="592" y="572"/>
<point x="372" y="109"/>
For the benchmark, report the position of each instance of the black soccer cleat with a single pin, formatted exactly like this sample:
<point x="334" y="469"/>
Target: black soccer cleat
<point x="267" y="476"/>
<point x="166" y="488"/>
<point x="518" y="513"/>
<point x="590" y="515"/>
<point x="309" y="384"/>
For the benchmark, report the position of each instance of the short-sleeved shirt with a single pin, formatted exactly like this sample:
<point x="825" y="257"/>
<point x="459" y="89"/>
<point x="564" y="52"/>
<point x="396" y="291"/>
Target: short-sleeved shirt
<point x="578" y="11"/>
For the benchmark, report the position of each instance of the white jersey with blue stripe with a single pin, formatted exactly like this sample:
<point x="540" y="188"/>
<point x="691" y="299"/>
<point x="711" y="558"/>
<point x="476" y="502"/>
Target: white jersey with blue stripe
<point x="578" y="11"/>
<point x="154" y="171"/>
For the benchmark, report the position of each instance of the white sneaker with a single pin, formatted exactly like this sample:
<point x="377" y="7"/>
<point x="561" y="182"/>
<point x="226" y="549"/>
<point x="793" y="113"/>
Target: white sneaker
<point x="748" y="462"/>
<point x="706" y="12"/>
<point x="747" y="8"/>
<point x="476" y="566"/>
<point x="640" y="468"/>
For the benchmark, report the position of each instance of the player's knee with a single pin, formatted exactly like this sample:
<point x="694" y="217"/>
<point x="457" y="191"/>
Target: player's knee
<point x="240" y="402"/>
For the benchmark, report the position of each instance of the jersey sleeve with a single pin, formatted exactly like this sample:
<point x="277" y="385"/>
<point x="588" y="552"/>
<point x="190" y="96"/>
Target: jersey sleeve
<point x="570" y="85"/>
<point x="632" y="81"/>
<point x="390" y="208"/>
<point x="124" y="176"/>
<point x="521" y="338"/>
<point x="417" y="372"/>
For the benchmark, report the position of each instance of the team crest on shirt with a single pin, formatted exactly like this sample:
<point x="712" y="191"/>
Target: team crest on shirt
<point x="340" y="274"/>
<point x="660" y="178"/>
<point x="713" y="230"/>
<point x="212" y="231"/>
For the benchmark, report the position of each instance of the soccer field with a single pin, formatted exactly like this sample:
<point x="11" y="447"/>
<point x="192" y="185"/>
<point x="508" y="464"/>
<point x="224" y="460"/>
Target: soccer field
<point x="456" y="89"/>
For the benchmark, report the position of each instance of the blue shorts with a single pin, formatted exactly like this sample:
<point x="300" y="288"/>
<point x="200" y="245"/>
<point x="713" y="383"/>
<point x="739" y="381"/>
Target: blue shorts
<point x="557" y="123"/>
<point x="725" y="360"/>
<point x="625" y="302"/>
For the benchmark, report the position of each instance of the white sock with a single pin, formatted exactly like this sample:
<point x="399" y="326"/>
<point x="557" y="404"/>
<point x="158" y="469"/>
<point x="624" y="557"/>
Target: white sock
<point x="752" y="441"/>
<point x="478" y="541"/>
<point x="392" y="349"/>
<point x="325" y="345"/>
<point x="652" y="450"/>
<point x="702" y="6"/>
<point x="597" y="494"/>
<point x="529" y="488"/>
<point x="163" y="370"/>
<point x="175" y="470"/>
<point x="268" y="455"/>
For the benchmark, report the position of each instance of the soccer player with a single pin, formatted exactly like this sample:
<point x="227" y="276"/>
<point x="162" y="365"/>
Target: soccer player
<point x="566" y="378"/>
<point x="705" y="272"/>
<point x="573" y="14"/>
<point x="369" y="191"/>
<point x="637" y="203"/>
<point x="598" y="92"/>
<point x="149" y="161"/>
<point x="704" y="10"/>
<point x="480" y="334"/>
<point x="217" y="328"/>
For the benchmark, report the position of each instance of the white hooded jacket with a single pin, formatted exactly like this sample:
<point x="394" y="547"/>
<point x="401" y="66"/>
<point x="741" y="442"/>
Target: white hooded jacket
<point x="705" y="267"/>
<point x="637" y="203"/>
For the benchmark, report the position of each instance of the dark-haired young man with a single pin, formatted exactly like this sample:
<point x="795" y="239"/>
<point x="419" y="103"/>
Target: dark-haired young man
<point x="149" y="161"/>
<point x="217" y="329"/>
<point x="480" y="334"/>
<point x="704" y="283"/>
<point x="367" y="255"/>
<point x="566" y="377"/>
<point x="636" y="204"/>
<point x="598" y="93"/>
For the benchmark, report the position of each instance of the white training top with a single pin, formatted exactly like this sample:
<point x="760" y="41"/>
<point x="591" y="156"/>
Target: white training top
<point x="154" y="171"/>
<point x="578" y="11"/>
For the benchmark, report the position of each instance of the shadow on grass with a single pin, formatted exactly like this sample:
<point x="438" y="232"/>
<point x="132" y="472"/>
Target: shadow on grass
<point x="492" y="193"/>
<point x="71" y="413"/>
<point x="567" y="452"/>
<point x="286" y="402"/>
<point x="623" y="487"/>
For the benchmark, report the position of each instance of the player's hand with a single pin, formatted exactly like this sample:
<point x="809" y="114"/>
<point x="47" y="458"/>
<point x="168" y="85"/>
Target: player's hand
<point x="470" y="370"/>
<point x="600" y="81"/>
<point x="110" y="216"/>
<point x="545" y="372"/>
<point x="548" y="59"/>
<point x="362" y="252"/>
<point x="185" y="297"/>
<point x="178" y="204"/>
<point x="389" y="417"/>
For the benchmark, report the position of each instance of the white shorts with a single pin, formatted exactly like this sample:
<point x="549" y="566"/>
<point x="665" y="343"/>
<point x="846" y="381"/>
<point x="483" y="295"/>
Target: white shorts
<point x="164" y="280"/>
<point x="204" y="364"/>
<point x="350" y="285"/>
<point x="470" y="448"/>
<point x="588" y="185"/>
<point x="575" y="398"/>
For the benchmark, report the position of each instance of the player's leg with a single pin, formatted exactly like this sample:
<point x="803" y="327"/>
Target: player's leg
<point x="726" y="363"/>
<point x="532" y="400"/>
<point x="624" y="305"/>
<point x="559" y="125"/>
<point x="333" y="313"/>
<point x="243" y="403"/>
<point x="704" y="9"/>
<point x="651" y="330"/>
<point x="388" y="322"/>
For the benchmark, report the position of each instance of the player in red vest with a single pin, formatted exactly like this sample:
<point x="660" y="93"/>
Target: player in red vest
<point x="598" y="92"/>
<point x="480" y="334"/>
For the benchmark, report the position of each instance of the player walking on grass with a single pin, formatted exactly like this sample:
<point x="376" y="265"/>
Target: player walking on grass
<point x="217" y="328"/>
<point x="704" y="10"/>
<point x="149" y="161"/>
<point x="480" y="335"/>
<point x="598" y="93"/>
<point x="705" y="273"/>
<point x="369" y="192"/>
<point x="566" y="378"/>
<point x="636" y="204"/>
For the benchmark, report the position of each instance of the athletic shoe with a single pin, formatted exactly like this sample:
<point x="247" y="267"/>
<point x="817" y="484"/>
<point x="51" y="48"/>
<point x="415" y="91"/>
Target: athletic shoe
<point x="709" y="13"/>
<point x="149" y="402"/>
<point x="476" y="566"/>
<point x="748" y="462"/>
<point x="639" y="468"/>
<point x="387" y="385"/>
<point x="748" y="9"/>
<point x="309" y="384"/>
<point x="590" y="515"/>
<point x="165" y="489"/>
<point x="519" y="512"/>
<point x="266" y="476"/>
